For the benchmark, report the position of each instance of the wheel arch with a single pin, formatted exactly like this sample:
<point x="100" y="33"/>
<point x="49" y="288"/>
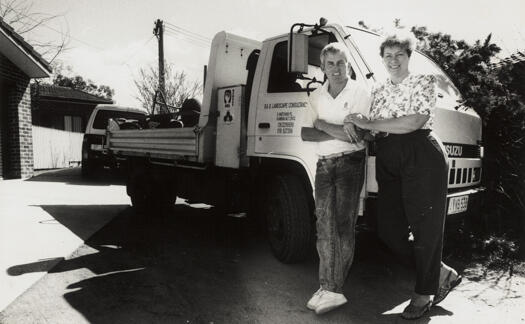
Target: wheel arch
<point x="265" y="166"/>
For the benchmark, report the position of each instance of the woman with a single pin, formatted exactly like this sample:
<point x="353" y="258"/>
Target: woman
<point x="411" y="171"/>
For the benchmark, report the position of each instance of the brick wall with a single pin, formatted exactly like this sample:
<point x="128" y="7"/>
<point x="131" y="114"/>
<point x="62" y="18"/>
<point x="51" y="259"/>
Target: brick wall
<point x="17" y="145"/>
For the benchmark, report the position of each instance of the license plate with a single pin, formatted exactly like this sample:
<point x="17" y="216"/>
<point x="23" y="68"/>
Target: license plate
<point x="457" y="205"/>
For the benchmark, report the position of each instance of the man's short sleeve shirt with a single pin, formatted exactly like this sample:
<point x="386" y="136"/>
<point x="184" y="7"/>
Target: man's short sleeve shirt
<point x="352" y="99"/>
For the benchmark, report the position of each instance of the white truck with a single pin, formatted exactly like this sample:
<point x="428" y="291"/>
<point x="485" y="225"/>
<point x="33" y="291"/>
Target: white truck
<point x="244" y="154"/>
<point x="94" y="156"/>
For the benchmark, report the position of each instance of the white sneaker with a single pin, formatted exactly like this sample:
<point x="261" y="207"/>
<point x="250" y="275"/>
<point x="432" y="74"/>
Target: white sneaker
<point x="329" y="300"/>
<point x="312" y="303"/>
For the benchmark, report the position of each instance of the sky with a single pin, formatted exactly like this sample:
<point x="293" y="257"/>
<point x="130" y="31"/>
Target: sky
<point x="110" y="40"/>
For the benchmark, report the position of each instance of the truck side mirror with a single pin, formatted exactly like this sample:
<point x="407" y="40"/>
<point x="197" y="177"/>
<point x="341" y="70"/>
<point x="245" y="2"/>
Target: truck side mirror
<point x="298" y="53"/>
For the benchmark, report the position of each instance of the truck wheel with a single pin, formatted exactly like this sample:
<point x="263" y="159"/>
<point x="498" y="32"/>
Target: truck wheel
<point x="88" y="168"/>
<point x="139" y="195"/>
<point x="150" y="194"/>
<point x="288" y="215"/>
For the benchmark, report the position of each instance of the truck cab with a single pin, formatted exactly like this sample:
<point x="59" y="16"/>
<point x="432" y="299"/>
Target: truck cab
<point x="274" y="129"/>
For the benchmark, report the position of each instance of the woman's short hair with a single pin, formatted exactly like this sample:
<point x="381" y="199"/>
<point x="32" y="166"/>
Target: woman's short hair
<point x="399" y="38"/>
<point x="334" y="48"/>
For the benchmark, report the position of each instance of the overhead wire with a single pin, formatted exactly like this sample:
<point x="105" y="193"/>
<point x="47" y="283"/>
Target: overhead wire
<point x="194" y="34"/>
<point x="138" y="51"/>
<point x="177" y="32"/>
<point x="187" y="35"/>
<point x="199" y="44"/>
<point x="173" y="32"/>
<point x="205" y="40"/>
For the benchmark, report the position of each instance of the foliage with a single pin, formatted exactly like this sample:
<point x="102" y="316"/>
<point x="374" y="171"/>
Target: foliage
<point x="496" y="252"/>
<point x="21" y="15"/>
<point x="65" y="77"/>
<point x="178" y="87"/>
<point x="497" y="96"/>
<point x="77" y="82"/>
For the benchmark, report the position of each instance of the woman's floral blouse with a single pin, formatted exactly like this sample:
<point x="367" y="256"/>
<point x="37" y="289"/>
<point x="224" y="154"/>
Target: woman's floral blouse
<point x="416" y="94"/>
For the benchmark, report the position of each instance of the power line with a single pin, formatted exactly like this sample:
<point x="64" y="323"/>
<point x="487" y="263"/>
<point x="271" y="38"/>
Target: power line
<point x="193" y="42"/>
<point x="187" y="31"/>
<point x="138" y="51"/>
<point x="175" y="31"/>
<point x="188" y="36"/>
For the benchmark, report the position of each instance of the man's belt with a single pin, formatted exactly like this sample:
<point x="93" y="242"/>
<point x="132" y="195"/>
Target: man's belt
<point x="336" y="155"/>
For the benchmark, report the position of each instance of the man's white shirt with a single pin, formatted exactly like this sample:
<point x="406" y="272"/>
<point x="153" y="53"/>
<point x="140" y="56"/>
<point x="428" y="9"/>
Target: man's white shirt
<point x="352" y="99"/>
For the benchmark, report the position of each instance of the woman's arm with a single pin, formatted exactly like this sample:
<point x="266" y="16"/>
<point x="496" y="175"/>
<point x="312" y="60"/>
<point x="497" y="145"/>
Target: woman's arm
<point x="399" y="125"/>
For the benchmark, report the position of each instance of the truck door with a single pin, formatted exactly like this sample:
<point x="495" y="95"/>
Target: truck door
<point x="282" y="100"/>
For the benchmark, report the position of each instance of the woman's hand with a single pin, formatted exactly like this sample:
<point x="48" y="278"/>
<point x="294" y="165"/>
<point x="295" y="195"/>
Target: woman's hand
<point x="358" y="120"/>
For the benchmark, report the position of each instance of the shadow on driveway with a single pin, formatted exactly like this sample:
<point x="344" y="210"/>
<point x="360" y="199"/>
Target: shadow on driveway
<point x="190" y="265"/>
<point x="73" y="176"/>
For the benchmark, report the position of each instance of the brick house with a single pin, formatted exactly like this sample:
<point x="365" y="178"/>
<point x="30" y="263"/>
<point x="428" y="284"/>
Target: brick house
<point x="19" y="63"/>
<point x="62" y="108"/>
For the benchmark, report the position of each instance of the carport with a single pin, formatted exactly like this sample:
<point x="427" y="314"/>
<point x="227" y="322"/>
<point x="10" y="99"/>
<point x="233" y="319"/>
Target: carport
<point x="19" y="63"/>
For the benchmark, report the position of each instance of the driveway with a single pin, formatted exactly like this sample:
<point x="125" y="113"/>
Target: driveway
<point x="189" y="265"/>
<point x="46" y="218"/>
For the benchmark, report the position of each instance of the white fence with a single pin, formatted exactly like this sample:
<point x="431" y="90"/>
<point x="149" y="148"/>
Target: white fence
<point x="53" y="148"/>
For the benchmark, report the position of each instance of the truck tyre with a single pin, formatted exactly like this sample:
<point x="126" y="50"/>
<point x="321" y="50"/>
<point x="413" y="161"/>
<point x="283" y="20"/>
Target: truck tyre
<point x="138" y="193"/>
<point x="288" y="215"/>
<point x="149" y="193"/>
<point x="88" y="168"/>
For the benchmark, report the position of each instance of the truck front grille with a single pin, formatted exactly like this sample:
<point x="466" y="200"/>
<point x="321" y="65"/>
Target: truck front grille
<point x="464" y="176"/>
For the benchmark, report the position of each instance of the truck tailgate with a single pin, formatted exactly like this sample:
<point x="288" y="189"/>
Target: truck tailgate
<point x="162" y="143"/>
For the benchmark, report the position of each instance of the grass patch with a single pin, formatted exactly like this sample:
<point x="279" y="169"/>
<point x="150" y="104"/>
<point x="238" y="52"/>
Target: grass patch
<point x="491" y="251"/>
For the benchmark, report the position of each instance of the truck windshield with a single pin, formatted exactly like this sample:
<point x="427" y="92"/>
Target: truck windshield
<point x="101" y="120"/>
<point x="368" y="45"/>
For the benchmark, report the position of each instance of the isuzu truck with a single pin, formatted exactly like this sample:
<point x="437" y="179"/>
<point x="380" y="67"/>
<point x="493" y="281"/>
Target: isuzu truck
<point x="242" y="150"/>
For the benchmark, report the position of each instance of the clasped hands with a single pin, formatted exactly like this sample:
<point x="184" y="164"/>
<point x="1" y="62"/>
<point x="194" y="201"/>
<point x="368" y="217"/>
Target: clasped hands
<point x="354" y="124"/>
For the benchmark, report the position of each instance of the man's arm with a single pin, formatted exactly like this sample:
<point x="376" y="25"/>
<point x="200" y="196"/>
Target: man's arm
<point x="335" y="131"/>
<point x="312" y="134"/>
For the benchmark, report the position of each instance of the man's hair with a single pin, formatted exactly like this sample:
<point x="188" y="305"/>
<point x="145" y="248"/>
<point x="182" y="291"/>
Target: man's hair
<point x="334" y="48"/>
<point x="399" y="38"/>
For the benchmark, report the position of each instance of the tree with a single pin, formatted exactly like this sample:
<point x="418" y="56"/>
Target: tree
<point x="65" y="77"/>
<point x="21" y="15"/>
<point x="178" y="87"/>
<point x="78" y="83"/>
<point x="498" y="99"/>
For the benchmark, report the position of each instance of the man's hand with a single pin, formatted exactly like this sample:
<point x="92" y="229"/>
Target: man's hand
<point x="351" y="132"/>
<point x="319" y="124"/>
<point x="337" y="131"/>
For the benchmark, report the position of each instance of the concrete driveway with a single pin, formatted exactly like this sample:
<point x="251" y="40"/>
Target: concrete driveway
<point x="31" y="231"/>
<point x="189" y="265"/>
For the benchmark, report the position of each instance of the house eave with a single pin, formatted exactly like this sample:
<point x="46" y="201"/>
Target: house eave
<point x="21" y="58"/>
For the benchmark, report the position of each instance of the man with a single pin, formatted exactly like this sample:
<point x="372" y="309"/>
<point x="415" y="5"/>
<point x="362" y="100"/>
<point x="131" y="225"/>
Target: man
<point x="340" y="173"/>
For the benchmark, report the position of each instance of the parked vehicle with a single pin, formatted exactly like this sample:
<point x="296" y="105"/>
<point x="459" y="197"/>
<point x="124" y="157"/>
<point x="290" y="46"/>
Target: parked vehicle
<point x="94" y="156"/>
<point x="245" y="154"/>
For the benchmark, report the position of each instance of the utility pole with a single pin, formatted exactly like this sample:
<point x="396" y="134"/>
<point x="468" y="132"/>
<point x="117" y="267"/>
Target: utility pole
<point x="159" y="32"/>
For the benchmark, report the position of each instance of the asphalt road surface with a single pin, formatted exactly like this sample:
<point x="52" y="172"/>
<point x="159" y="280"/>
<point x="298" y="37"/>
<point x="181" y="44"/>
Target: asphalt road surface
<point x="191" y="265"/>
